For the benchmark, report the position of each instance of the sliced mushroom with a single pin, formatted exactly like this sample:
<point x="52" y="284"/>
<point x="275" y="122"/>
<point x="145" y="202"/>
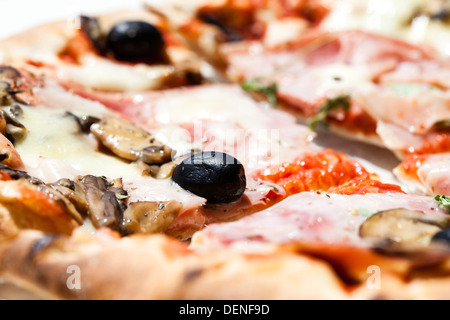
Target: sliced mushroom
<point x="8" y="77"/>
<point x="150" y="216"/>
<point x="158" y="172"/>
<point x="11" y="127"/>
<point x="402" y="227"/>
<point x="63" y="201"/>
<point x="105" y="208"/>
<point x="130" y="142"/>
<point x="5" y="96"/>
<point x="166" y="170"/>
<point x="103" y="202"/>
<point x="8" y="173"/>
<point x="74" y="192"/>
<point x="156" y="154"/>
<point x="8" y="72"/>
<point x="84" y="122"/>
<point x="91" y="28"/>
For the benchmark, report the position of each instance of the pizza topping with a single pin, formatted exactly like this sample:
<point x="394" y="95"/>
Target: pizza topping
<point x="402" y="227"/>
<point x="63" y="201"/>
<point x="319" y="67"/>
<point x="314" y="171"/>
<point x="442" y="237"/>
<point x="84" y="122"/>
<point x="127" y="41"/>
<point x="319" y="217"/>
<point x="427" y="172"/>
<point x="434" y="10"/>
<point x="130" y="142"/>
<point x="136" y="41"/>
<point x="10" y="126"/>
<point x="363" y="186"/>
<point x="269" y="91"/>
<point x="150" y="216"/>
<point x="444" y="202"/>
<point x="106" y="204"/>
<point x="163" y="171"/>
<point x="91" y="28"/>
<point x="331" y="105"/>
<point x="105" y="208"/>
<point x="74" y="192"/>
<point x="215" y="176"/>
<point x="230" y="34"/>
<point x="9" y="79"/>
<point x="17" y="86"/>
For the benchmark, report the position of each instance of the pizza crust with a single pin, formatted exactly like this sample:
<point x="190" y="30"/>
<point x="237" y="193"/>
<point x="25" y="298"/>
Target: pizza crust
<point x="159" y="267"/>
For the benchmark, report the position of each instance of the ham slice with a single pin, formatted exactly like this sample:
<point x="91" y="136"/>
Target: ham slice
<point x="430" y="172"/>
<point x="388" y="81"/>
<point x="308" y="217"/>
<point x="217" y="117"/>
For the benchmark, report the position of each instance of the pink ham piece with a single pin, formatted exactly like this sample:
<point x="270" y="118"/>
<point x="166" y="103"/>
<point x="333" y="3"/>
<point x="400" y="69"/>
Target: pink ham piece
<point x="217" y="117"/>
<point x="430" y="172"/>
<point x="388" y="81"/>
<point x="308" y="217"/>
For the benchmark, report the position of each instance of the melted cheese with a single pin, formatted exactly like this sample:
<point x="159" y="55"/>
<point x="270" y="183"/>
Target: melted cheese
<point x="339" y="78"/>
<point x="216" y="103"/>
<point x="52" y="135"/>
<point x="224" y="118"/>
<point x="102" y="74"/>
<point x="53" y="148"/>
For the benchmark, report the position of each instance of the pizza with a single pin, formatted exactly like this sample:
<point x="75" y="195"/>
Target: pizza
<point x="228" y="150"/>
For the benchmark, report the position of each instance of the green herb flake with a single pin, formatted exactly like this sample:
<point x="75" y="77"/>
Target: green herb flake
<point x="339" y="102"/>
<point x="410" y="88"/>
<point x="444" y="202"/>
<point x="269" y="91"/>
<point x="366" y="212"/>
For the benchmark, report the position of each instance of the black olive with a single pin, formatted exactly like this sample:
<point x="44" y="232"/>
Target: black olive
<point x="136" y="41"/>
<point x="215" y="176"/>
<point x="442" y="237"/>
